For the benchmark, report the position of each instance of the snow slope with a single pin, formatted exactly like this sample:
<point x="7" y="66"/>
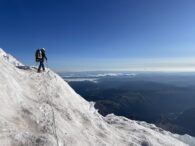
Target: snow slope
<point x="43" y="110"/>
<point x="9" y="58"/>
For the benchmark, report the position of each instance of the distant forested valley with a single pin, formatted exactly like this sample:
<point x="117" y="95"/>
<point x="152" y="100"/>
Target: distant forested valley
<point x="167" y="100"/>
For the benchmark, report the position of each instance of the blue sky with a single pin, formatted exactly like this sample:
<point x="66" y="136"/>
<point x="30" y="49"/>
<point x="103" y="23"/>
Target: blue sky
<point x="101" y="34"/>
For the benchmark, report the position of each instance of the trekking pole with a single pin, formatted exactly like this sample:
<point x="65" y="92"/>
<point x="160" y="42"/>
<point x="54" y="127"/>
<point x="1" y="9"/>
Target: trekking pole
<point x="47" y="64"/>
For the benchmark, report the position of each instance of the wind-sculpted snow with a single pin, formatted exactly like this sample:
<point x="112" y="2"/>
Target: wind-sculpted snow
<point x="9" y="58"/>
<point x="43" y="110"/>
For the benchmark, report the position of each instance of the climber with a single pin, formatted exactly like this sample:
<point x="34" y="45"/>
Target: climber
<point x="40" y="57"/>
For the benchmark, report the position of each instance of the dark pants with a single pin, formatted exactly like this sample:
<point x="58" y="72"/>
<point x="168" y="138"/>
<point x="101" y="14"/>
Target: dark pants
<point x="41" y="65"/>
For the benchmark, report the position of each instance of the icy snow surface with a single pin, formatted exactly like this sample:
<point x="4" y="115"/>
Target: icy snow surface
<point x="43" y="110"/>
<point x="9" y="58"/>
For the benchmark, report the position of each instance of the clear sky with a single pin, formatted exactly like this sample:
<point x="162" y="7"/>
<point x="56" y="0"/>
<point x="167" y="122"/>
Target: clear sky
<point x="101" y="34"/>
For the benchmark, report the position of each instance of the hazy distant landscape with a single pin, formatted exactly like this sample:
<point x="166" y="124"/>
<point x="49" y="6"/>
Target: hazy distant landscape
<point x="165" y="99"/>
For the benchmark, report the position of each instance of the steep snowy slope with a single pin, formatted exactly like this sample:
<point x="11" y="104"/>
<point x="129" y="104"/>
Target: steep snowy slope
<point x="43" y="110"/>
<point x="9" y="58"/>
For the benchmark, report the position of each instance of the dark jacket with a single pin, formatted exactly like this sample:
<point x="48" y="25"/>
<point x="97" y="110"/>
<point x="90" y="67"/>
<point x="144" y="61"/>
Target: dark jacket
<point x="43" y="55"/>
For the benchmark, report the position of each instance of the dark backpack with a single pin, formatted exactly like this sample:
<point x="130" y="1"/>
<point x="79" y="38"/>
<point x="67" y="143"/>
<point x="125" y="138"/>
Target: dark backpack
<point x="38" y="55"/>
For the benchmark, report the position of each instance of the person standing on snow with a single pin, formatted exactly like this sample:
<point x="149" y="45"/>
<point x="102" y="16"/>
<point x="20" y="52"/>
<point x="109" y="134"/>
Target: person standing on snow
<point x="40" y="57"/>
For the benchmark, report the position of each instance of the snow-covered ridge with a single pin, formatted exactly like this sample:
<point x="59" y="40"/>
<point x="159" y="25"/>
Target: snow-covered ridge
<point x="9" y="58"/>
<point x="43" y="110"/>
